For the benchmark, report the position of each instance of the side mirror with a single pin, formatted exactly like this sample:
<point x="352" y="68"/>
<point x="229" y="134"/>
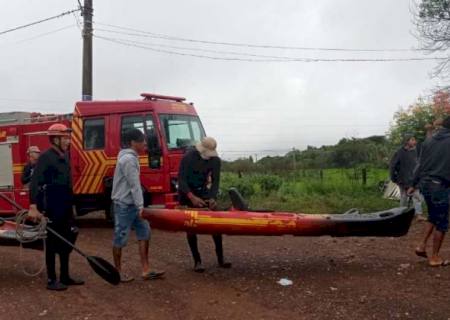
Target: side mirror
<point x="154" y="150"/>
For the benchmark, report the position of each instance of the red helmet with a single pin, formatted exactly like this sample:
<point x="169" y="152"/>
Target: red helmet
<point x="59" y="129"/>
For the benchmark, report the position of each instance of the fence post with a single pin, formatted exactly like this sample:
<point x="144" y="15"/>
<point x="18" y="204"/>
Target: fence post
<point x="364" y="176"/>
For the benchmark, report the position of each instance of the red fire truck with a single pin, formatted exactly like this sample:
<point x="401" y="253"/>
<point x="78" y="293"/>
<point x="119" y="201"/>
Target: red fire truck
<point x="169" y="123"/>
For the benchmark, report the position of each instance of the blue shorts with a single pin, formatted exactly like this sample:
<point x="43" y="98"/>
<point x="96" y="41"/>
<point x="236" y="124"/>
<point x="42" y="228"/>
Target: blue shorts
<point x="125" y="218"/>
<point x="437" y="198"/>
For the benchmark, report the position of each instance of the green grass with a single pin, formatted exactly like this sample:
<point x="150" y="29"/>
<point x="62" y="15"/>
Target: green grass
<point x="305" y="191"/>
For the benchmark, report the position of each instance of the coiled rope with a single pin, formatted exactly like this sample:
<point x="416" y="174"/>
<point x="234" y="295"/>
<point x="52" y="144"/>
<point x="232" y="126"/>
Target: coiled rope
<point x="26" y="234"/>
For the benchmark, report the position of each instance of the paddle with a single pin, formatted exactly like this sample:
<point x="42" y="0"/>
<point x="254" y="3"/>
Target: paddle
<point x="100" y="266"/>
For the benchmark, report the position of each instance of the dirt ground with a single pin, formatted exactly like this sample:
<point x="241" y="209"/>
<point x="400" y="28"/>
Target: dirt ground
<point x="349" y="278"/>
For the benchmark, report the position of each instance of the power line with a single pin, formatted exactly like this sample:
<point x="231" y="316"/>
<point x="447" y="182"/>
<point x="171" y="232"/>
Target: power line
<point x="280" y="59"/>
<point x="77" y="20"/>
<point x="152" y="45"/>
<point x="39" y="35"/>
<point x="39" y="21"/>
<point x="191" y="49"/>
<point x="142" y="33"/>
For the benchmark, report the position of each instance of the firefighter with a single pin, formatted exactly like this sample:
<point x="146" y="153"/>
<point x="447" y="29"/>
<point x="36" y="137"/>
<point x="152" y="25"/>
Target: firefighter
<point x="51" y="195"/>
<point x="198" y="185"/>
<point x="33" y="155"/>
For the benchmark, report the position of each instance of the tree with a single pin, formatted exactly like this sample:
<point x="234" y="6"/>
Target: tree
<point x="420" y="118"/>
<point x="432" y="19"/>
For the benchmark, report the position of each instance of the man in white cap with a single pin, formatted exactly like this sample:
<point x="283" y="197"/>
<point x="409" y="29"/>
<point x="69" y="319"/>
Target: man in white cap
<point x="33" y="153"/>
<point x="198" y="185"/>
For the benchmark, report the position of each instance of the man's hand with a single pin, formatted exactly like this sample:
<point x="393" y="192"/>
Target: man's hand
<point x="212" y="204"/>
<point x="410" y="191"/>
<point x="141" y="211"/>
<point x="197" y="202"/>
<point x="34" y="214"/>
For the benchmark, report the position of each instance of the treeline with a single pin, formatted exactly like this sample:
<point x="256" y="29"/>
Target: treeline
<point x="372" y="152"/>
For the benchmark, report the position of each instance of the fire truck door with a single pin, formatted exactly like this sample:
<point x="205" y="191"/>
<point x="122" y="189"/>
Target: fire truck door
<point x="6" y="167"/>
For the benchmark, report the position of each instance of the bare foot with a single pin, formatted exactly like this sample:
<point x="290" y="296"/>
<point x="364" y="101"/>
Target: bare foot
<point x="437" y="261"/>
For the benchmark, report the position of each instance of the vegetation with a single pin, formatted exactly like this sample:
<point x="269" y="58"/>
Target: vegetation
<point x="332" y="179"/>
<point x="348" y="153"/>
<point x="310" y="191"/>
<point x="432" y="19"/>
<point x="420" y="118"/>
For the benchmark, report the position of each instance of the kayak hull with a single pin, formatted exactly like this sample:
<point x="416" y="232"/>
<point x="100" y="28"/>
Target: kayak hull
<point x="8" y="237"/>
<point x="390" y="223"/>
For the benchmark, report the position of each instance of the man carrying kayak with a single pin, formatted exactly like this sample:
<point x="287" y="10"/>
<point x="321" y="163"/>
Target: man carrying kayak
<point x="198" y="186"/>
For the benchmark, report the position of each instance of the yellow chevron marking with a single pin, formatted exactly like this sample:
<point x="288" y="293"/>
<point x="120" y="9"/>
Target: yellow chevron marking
<point x="96" y="163"/>
<point x="255" y="222"/>
<point x="18" y="168"/>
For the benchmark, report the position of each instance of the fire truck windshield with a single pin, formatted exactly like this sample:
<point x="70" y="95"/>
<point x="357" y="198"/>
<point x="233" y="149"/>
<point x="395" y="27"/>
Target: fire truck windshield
<point x="181" y="131"/>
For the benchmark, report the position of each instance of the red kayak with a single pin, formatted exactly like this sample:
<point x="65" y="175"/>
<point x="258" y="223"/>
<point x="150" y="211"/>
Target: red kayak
<point x="243" y="221"/>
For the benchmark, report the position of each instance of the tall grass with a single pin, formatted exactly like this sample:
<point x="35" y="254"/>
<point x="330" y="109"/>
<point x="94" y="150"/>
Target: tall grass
<point x="332" y="191"/>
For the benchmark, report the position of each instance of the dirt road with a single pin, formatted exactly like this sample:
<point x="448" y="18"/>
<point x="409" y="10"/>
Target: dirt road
<point x="347" y="278"/>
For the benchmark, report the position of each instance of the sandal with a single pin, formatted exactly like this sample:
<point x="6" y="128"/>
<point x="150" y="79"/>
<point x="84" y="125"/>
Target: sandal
<point x="152" y="275"/>
<point x="422" y="254"/>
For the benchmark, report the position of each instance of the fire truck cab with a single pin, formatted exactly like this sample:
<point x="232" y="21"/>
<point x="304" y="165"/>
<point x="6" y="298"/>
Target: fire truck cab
<point x="170" y="125"/>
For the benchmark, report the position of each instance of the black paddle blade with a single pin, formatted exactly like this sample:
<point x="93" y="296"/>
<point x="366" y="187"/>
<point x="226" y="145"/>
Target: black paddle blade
<point x="104" y="269"/>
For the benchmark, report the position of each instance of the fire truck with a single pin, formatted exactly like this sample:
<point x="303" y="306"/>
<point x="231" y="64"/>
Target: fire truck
<point x="170" y="124"/>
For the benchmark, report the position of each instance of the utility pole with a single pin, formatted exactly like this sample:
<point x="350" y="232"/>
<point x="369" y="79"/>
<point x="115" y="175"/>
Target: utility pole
<point x="87" y="12"/>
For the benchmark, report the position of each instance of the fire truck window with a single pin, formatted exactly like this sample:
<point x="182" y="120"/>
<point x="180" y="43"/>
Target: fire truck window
<point x="94" y="134"/>
<point x="181" y="130"/>
<point x="148" y="124"/>
<point x="131" y="122"/>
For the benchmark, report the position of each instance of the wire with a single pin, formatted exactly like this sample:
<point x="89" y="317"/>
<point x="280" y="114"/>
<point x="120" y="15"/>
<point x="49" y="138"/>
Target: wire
<point x="191" y="49"/>
<point x="78" y="22"/>
<point x="280" y="59"/>
<point x="40" y="35"/>
<point x="79" y="4"/>
<point x="143" y="33"/>
<point x="39" y="21"/>
<point x="151" y="45"/>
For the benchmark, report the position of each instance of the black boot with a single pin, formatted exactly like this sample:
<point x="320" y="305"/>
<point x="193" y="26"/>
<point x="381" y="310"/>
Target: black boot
<point x="219" y="252"/>
<point x="198" y="267"/>
<point x="55" y="285"/>
<point x="72" y="282"/>
<point x="65" y="278"/>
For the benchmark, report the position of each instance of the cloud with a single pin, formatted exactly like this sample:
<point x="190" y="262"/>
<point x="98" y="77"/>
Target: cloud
<point x="248" y="107"/>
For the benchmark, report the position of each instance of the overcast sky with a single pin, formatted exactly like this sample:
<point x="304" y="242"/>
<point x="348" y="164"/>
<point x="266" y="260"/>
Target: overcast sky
<point x="249" y="107"/>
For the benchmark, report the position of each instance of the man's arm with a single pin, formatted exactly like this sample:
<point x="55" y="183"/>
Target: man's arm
<point x="183" y="186"/>
<point x="26" y="174"/>
<point x="37" y="181"/>
<point x="131" y="172"/>
<point x="393" y="166"/>
<point x="215" y="178"/>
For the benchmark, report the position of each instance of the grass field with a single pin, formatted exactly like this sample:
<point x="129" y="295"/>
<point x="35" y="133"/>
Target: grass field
<point x="311" y="191"/>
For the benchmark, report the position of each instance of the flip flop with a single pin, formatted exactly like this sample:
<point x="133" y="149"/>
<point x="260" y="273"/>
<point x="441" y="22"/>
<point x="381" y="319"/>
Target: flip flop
<point x="151" y="275"/>
<point x="443" y="263"/>
<point x="422" y="254"/>
<point x="124" y="278"/>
